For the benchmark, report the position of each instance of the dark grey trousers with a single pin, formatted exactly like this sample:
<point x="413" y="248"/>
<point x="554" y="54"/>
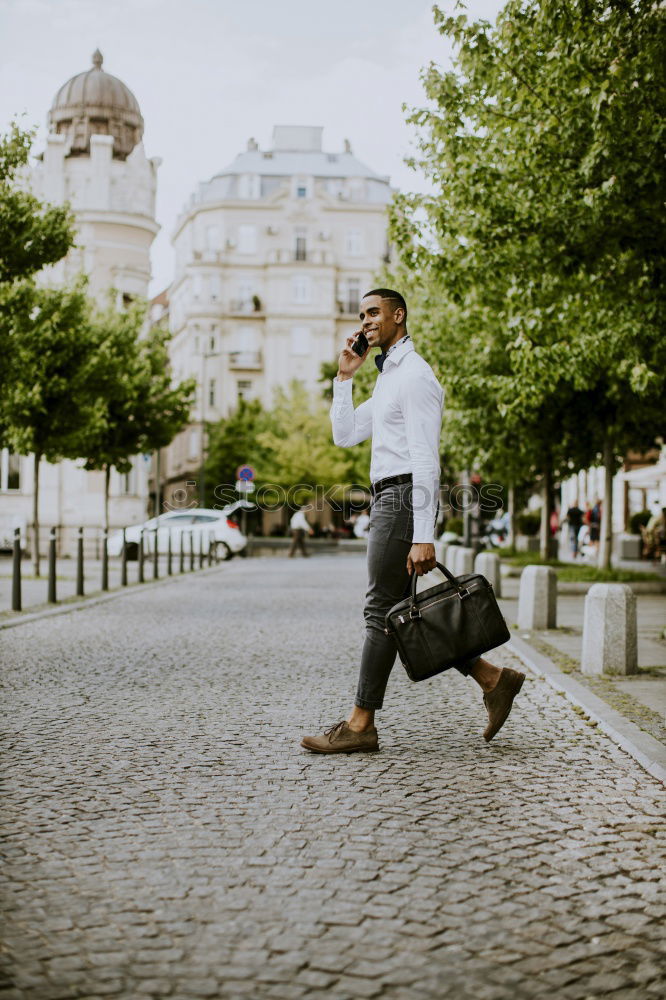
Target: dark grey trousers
<point x="389" y="541"/>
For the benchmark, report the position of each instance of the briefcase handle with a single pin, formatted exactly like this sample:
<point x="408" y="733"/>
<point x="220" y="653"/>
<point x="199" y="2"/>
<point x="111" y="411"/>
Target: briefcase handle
<point x="460" y="589"/>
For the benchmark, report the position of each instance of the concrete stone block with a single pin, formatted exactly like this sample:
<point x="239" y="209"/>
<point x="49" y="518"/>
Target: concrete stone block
<point x="610" y="644"/>
<point x="488" y="564"/>
<point x="537" y="600"/>
<point x="464" y="561"/>
<point x="441" y="549"/>
<point x="630" y="546"/>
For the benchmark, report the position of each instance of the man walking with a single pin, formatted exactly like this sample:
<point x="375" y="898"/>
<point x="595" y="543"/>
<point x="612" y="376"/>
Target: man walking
<point x="299" y="529"/>
<point x="404" y="418"/>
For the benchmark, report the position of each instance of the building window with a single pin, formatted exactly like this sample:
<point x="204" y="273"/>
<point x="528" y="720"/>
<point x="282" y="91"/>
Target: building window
<point x="212" y="343"/>
<point x="354" y="243"/>
<point x="213" y="241"/>
<point x="244" y="388"/>
<point x="353" y="302"/>
<point x="194" y="443"/>
<point x="301" y="289"/>
<point x="247" y="239"/>
<point x="211" y="392"/>
<point x="300" y="248"/>
<point x="249" y="186"/>
<point x="301" y="188"/>
<point x="215" y="286"/>
<point x="10" y="470"/>
<point x="197" y="286"/>
<point x="300" y="340"/>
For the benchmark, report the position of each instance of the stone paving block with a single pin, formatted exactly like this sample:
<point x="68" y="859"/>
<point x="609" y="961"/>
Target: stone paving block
<point x="165" y="827"/>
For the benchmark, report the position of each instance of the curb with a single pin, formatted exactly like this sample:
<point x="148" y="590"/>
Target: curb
<point x="645" y="749"/>
<point x="23" y="618"/>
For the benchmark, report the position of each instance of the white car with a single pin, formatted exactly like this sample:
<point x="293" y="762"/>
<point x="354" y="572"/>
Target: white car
<point x="199" y="526"/>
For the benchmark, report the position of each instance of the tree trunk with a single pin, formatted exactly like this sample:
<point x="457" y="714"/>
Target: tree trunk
<point x="35" y="518"/>
<point x="606" y="528"/>
<point x="511" y="500"/>
<point x="107" y="481"/>
<point x="546" y="510"/>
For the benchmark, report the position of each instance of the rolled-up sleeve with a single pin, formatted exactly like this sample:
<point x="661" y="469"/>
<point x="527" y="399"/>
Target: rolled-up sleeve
<point x="350" y="426"/>
<point x="421" y="404"/>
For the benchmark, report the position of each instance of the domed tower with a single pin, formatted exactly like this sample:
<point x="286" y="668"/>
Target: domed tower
<point x="94" y="158"/>
<point x="96" y="103"/>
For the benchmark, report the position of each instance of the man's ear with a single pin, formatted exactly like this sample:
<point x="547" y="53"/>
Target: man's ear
<point x="399" y="315"/>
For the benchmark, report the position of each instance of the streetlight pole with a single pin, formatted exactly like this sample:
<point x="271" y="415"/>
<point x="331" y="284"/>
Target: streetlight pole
<point x="202" y="474"/>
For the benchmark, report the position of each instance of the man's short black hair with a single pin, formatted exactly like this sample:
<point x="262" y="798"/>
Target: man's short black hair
<point x="389" y="293"/>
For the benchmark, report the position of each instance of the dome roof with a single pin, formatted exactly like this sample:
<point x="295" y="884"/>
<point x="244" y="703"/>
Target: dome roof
<point x="96" y="103"/>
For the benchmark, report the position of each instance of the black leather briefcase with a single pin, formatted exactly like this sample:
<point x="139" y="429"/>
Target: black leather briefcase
<point x="451" y="622"/>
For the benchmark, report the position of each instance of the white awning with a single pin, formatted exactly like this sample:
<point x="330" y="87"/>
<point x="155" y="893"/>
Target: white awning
<point x="647" y="478"/>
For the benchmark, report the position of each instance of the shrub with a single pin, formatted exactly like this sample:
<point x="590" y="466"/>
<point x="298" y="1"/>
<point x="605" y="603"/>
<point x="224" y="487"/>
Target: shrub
<point x="638" y="521"/>
<point x="528" y="523"/>
<point x="454" y="524"/>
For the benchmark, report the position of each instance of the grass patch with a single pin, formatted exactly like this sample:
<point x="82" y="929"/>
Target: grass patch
<point x="578" y="572"/>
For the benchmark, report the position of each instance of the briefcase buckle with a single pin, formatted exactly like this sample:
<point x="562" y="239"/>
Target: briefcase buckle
<point x="414" y="613"/>
<point x="463" y="593"/>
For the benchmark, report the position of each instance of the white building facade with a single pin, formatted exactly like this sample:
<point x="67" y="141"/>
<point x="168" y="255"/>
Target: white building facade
<point x="94" y="158"/>
<point x="272" y="257"/>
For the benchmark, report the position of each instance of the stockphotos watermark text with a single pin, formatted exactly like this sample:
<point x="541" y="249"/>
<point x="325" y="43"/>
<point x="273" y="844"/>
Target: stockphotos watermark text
<point x="460" y="498"/>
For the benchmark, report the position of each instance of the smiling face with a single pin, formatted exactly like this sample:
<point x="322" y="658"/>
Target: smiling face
<point x="383" y="321"/>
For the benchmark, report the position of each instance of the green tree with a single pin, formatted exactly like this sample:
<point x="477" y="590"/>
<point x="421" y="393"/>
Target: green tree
<point x="141" y="410"/>
<point x="541" y="250"/>
<point x="32" y="235"/>
<point x="233" y="441"/>
<point x="48" y="401"/>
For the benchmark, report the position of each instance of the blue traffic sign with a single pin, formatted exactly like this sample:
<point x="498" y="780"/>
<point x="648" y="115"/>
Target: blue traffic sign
<point x="245" y="472"/>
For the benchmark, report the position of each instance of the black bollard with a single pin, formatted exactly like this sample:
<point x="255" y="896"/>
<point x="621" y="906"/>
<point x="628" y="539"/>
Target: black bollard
<point x="211" y="545"/>
<point x="123" y="562"/>
<point x="191" y="551"/>
<point x="105" y="559"/>
<point x="16" y="571"/>
<point x="156" y="556"/>
<point x="140" y="556"/>
<point x="52" y="598"/>
<point x="79" y="563"/>
<point x="181" y="553"/>
<point x="169" y="554"/>
<point x="201" y="550"/>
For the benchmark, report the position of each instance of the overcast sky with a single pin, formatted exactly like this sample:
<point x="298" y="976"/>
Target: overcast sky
<point x="208" y="74"/>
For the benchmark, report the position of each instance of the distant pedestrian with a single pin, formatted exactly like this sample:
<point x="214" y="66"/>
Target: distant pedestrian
<point x="299" y="529"/>
<point x="361" y="525"/>
<point x="595" y="524"/>
<point x="574" y="519"/>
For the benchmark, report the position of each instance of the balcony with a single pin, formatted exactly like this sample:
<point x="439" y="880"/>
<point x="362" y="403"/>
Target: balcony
<point x="245" y="361"/>
<point x="299" y="256"/>
<point x="247" y="306"/>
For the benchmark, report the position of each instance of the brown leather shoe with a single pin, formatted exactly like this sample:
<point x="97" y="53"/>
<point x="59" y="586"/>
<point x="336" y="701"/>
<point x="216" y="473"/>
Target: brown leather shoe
<point x="342" y="739"/>
<point x="498" y="702"/>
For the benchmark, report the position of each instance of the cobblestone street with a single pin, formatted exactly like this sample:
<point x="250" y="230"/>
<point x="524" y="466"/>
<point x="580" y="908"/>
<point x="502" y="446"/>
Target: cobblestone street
<point x="165" y="835"/>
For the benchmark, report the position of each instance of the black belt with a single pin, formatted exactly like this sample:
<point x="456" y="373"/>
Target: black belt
<point x="383" y="484"/>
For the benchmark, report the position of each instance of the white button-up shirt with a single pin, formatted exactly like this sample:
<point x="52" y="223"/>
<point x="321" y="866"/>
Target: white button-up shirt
<point x="404" y="418"/>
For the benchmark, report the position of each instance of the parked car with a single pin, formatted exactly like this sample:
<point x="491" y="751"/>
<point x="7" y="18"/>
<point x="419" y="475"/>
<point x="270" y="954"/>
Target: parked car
<point x="201" y="523"/>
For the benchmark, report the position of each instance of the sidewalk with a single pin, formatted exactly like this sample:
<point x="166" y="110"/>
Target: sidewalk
<point x="640" y="697"/>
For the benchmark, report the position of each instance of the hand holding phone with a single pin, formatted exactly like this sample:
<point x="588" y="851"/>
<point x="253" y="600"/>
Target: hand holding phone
<point x="352" y="355"/>
<point x="360" y="345"/>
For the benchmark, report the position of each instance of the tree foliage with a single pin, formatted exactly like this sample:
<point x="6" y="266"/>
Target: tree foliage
<point x="32" y="234"/>
<point x="538" y="259"/>
<point x="141" y="410"/>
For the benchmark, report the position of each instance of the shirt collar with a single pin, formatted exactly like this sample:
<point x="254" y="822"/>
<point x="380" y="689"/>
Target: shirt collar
<point x="396" y="353"/>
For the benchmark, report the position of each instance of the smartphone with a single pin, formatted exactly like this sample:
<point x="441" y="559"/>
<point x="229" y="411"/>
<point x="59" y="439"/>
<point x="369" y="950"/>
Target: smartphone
<point x="360" y="345"/>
